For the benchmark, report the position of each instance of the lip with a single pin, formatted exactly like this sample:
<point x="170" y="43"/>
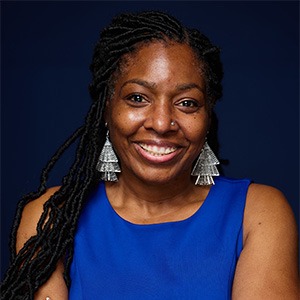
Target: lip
<point x="157" y="151"/>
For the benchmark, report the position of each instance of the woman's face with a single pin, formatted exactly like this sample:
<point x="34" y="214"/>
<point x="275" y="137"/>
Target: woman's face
<point x="159" y="84"/>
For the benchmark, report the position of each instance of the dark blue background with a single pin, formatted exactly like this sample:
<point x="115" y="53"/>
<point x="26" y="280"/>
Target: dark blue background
<point x="46" y="51"/>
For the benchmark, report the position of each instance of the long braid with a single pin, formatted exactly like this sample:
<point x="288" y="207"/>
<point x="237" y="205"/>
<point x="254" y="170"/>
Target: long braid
<point x="37" y="260"/>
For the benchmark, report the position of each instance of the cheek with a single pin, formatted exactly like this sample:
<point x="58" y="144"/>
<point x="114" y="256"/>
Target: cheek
<point x="134" y="117"/>
<point x="125" y="121"/>
<point x="197" y="129"/>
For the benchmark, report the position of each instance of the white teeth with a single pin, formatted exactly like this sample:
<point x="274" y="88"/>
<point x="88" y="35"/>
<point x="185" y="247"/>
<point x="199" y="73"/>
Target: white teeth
<point x="158" y="151"/>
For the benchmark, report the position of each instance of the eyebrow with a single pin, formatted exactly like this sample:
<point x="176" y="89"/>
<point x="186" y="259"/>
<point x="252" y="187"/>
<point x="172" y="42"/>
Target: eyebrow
<point x="152" y="85"/>
<point x="189" y="86"/>
<point x="141" y="82"/>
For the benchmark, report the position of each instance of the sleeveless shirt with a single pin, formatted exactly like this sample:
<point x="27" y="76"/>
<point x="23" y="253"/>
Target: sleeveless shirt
<point x="190" y="259"/>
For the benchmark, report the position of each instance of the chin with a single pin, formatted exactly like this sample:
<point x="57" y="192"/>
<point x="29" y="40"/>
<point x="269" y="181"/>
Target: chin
<point x="158" y="179"/>
<point x="158" y="175"/>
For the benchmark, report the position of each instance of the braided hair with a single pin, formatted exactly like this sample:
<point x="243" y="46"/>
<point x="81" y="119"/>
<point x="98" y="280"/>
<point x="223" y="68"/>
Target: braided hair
<point x="37" y="260"/>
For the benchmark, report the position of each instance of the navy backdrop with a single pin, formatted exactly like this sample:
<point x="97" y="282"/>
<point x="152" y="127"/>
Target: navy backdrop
<point x="46" y="51"/>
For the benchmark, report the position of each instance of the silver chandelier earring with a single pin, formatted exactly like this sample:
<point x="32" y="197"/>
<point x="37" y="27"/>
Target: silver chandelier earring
<point x="205" y="166"/>
<point x="108" y="162"/>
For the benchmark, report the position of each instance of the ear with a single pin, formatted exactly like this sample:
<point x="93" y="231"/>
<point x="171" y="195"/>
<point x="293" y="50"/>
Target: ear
<point x="209" y="120"/>
<point x="107" y="111"/>
<point x="213" y="123"/>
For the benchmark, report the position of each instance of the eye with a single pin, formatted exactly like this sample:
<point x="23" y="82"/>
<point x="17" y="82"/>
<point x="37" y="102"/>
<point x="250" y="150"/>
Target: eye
<point x="188" y="105"/>
<point x="136" y="98"/>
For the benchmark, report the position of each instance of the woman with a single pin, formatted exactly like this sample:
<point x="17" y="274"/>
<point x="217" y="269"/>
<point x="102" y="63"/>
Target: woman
<point x="139" y="215"/>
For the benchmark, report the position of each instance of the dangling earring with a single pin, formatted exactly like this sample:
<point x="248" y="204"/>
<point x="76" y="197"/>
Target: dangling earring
<point x="205" y="166"/>
<point x="108" y="162"/>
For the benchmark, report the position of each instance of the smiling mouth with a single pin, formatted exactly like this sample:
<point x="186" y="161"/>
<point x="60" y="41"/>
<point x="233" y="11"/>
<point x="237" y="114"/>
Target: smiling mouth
<point x="157" y="150"/>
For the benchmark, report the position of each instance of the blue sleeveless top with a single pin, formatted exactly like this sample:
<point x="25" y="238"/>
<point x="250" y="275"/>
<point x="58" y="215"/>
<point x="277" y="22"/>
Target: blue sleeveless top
<point x="190" y="259"/>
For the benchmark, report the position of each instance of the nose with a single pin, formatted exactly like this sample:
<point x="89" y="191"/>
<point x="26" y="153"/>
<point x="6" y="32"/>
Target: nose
<point x="161" y="118"/>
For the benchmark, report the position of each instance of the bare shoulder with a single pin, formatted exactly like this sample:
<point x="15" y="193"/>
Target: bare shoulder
<point x="267" y="206"/>
<point x="268" y="265"/>
<point x="30" y="217"/>
<point x="55" y="287"/>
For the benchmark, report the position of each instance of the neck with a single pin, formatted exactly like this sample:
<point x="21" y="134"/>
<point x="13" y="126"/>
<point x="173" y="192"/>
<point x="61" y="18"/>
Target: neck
<point x="155" y="191"/>
<point x="145" y="202"/>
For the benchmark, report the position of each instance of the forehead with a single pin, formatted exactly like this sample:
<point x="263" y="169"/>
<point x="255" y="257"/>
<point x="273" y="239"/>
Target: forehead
<point x="151" y="50"/>
<point x="159" y="60"/>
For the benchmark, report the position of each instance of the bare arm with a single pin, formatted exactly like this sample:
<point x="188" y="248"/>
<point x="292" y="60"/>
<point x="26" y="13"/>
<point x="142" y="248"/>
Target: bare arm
<point x="268" y="265"/>
<point x="55" y="287"/>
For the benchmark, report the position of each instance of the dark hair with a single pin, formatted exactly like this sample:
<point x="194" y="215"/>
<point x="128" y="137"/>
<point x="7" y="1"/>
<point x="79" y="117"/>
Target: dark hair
<point x="37" y="260"/>
<point x="128" y="31"/>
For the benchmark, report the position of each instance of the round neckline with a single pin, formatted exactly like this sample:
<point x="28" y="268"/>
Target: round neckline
<point x="151" y="225"/>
